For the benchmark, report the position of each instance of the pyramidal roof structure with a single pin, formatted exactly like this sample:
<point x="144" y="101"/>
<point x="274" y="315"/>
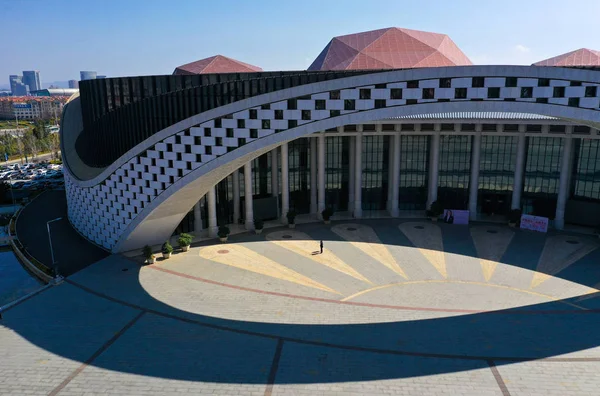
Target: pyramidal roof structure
<point x="390" y="48"/>
<point x="216" y="64"/>
<point x="580" y="57"/>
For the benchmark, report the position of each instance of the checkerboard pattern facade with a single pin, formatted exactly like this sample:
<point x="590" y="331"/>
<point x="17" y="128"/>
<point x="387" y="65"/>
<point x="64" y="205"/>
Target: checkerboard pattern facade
<point x="102" y="212"/>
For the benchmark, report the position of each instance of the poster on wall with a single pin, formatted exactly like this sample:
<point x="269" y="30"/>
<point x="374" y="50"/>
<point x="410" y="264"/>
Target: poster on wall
<point x="534" y="223"/>
<point x="455" y="216"/>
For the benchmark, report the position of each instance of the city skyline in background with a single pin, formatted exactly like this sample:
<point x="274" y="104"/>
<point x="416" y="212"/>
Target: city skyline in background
<point x="145" y="38"/>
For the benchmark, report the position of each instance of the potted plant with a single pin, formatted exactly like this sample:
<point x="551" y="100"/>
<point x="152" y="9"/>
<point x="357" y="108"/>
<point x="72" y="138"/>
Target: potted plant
<point x="184" y="241"/>
<point x="148" y="255"/>
<point x="223" y="233"/>
<point x="514" y="217"/>
<point x="291" y="217"/>
<point x="258" y="226"/>
<point x="327" y="213"/>
<point x="167" y="249"/>
<point x="435" y="211"/>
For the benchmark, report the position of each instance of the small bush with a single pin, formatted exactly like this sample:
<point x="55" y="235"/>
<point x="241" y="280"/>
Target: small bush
<point x="223" y="232"/>
<point x="148" y="252"/>
<point x="184" y="239"/>
<point x="327" y="213"/>
<point x="436" y="209"/>
<point x="259" y="224"/>
<point x="167" y="248"/>
<point x="514" y="216"/>
<point x="291" y="216"/>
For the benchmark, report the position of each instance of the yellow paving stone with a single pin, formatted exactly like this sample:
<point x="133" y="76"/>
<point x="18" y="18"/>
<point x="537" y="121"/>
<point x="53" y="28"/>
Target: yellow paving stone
<point x="247" y="259"/>
<point x="560" y="251"/>
<point x="365" y="239"/>
<point x="491" y="243"/>
<point x="427" y="237"/>
<point x="304" y="245"/>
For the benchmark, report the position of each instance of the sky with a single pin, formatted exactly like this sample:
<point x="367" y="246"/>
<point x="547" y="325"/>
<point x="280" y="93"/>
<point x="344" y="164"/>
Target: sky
<point x="141" y="37"/>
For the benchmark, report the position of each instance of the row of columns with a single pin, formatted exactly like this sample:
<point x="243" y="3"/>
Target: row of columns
<point x="317" y="180"/>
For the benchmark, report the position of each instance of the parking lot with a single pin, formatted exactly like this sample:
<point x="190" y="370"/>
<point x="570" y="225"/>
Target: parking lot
<point x="31" y="177"/>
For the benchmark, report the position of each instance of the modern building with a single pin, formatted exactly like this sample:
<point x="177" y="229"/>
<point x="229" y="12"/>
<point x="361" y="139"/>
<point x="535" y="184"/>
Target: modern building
<point x="383" y="124"/>
<point x="100" y="77"/>
<point x="17" y="87"/>
<point x="73" y="84"/>
<point x="31" y="108"/>
<point x="87" y="75"/>
<point x="31" y="78"/>
<point x="55" y="92"/>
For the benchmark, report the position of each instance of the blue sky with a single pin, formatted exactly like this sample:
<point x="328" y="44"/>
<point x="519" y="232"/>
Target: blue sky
<point x="135" y="37"/>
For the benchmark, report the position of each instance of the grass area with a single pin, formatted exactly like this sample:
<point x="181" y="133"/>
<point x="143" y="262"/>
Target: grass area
<point x="11" y="124"/>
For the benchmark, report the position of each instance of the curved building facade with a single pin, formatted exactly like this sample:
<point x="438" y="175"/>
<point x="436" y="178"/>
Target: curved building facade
<point x="149" y="156"/>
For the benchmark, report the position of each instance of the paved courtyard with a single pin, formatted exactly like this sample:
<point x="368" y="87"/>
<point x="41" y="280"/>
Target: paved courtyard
<point x="390" y="307"/>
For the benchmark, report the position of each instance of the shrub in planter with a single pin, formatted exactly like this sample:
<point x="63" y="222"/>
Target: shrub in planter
<point x="327" y="213"/>
<point x="223" y="233"/>
<point x="291" y="217"/>
<point x="258" y="226"/>
<point x="184" y="241"/>
<point x="514" y="217"/>
<point x="435" y="210"/>
<point x="167" y="249"/>
<point x="148" y="255"/>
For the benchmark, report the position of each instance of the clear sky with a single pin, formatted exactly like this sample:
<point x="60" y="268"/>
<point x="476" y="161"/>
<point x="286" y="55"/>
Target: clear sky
<point x="136" y="37"/>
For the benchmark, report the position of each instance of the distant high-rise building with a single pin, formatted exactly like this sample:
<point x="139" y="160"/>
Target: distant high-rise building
<point x="87" y="75"/>
<point x="16" y="86"/>
<point x="73" y="84"/>
<point x="31" y="78"/>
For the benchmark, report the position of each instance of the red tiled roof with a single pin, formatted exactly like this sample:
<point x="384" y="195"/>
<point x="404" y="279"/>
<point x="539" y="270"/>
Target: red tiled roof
<point x="580" y="57"/>
<point x="391" y="48"/>
<point x="216" y="64"/>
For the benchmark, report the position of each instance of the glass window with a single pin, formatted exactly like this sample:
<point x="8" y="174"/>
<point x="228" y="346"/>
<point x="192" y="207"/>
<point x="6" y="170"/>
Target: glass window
<point x="229" y="132"/>
<point x="590" y="92"/>
<point x="365" y="93"/>
<point x="445" y="82"/>
<point x="334" y="95"/>
<point x="337" y="172"/>
<point x="266" y="124"/>
<point x="526" y="92"/>
<point x="559" y="92"/>
<point x="218" y="141"/>
<point x="299" y="175"/>
<point x="412" y="84"/>
<point x="375" y="167"/>
<point x="541" y="100"/>
<point x="494" y="93"/>
<point x="460" y="93"/>
<point x="254" y="133"/>
<point x="542" y="172"/>
<point x="349" y="104"/>
<point x="241" y="123"/>
<point x="207" y="132"/>
<point x="454" y="173"/>
<point x="279" y="114"/>
<point x="576" y="83"/>
<point x="574" y="102"/>
<point x="292" y="104"/>
<point x="253" y="114"/>
<point x="292" y="124"/>
<point x="511" y="82"/>
<point x="543" y="82"/>
<point x="380" y="103"/>
<point x="334" y="113"/>
<point x="265" y="106"/>
<point x="396" y="93"/>
<point x="496" y="174"/>
<point x="306" y="115"/>
<point x="320" y="104"/>
<point x="478" y="82"/>
<point x="428" y="93"/>
<point x="414" y="159"/>
<point x="261" y="176"/>
<point x="586" y="178"/>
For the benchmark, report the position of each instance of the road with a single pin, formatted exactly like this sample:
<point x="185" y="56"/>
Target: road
<point x="39" y="158"/>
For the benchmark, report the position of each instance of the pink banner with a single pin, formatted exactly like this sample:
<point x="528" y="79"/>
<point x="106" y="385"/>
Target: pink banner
<point x="534" y="223"/>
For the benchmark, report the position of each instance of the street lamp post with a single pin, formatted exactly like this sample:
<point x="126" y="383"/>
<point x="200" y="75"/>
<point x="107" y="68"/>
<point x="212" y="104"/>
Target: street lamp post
<point x="54" y="264"/>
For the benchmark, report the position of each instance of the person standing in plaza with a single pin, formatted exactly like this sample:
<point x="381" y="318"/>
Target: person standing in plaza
<point x="321" y="245"/>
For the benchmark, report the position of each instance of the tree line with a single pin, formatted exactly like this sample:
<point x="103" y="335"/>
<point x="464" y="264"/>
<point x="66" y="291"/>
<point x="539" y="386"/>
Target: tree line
<point x="35" y="140"/>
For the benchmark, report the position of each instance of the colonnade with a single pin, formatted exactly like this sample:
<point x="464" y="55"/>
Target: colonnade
<point x="317" y="178"/>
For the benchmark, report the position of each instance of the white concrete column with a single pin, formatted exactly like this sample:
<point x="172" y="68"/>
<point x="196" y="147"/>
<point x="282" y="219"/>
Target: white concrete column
<point x="474" y="182"/>
<point x="395" y="171"/>
<point x="351" y="156"/>
<point x="285" y="183"/>
<point x="358" y="176"/>
<point x="197" y="218"/>
<point x="236" y="196"/>
<point x="249" y="218"/>
<point x="434" y="161"/>
<point x="563" y="186"/>
<point x="212" y="213"/>
<point x="274" y="173"/>
<point x="313" y="175"/>
<point x="321" y="177"/>
<point x="519" y="171"/>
